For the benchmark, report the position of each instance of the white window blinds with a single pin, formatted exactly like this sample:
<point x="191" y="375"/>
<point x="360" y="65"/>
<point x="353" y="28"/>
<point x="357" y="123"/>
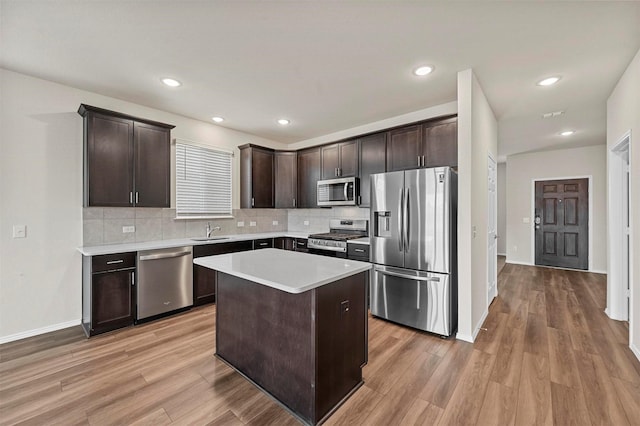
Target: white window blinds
<point x="203" y="181"/>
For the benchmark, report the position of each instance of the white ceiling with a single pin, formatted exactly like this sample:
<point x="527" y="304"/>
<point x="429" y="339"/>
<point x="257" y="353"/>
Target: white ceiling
<point x="334" y="65"/>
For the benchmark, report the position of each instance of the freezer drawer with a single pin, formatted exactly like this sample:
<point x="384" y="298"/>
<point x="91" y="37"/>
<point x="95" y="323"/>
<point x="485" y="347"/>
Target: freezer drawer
<point x="418" y="299"/>
<point x="165" y="281"/>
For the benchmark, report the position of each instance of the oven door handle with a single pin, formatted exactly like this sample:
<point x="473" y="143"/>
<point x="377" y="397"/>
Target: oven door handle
<point x="338" y="249"/>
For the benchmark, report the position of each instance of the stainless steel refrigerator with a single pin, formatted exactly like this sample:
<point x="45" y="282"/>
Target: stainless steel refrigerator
<point x="413" y="246"/>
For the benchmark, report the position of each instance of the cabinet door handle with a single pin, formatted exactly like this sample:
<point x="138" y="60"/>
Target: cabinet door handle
<point x="253" y="201"/>
<point x="133" y="278"/>
<point x="418" y="161"/>
<point x="130" y="197"/>
<point x="359" y="250"/>
<point x="423" y="161"/>
<point x="136" y="197"/>
<point x="113" y="262"/>
<point x="294" y="202"/>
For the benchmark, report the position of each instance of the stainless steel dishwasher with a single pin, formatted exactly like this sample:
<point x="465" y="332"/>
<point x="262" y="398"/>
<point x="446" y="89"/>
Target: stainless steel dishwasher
<point x="165" y="281"/>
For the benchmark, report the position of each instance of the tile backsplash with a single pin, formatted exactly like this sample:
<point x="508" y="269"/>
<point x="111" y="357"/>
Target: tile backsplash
<point x="105" y="225"/>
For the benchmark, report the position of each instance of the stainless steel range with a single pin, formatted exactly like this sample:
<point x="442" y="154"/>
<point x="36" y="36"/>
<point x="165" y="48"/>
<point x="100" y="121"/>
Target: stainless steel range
<point x="334" y="242"/>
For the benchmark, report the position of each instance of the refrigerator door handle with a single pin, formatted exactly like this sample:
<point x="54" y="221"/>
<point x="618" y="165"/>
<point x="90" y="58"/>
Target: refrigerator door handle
<point x="408" y="277"/>
<point x="401" y="221"/>
<point x="407" y="219"/>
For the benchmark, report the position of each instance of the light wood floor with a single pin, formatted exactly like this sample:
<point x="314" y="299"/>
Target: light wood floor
<point x="548" y="355"/>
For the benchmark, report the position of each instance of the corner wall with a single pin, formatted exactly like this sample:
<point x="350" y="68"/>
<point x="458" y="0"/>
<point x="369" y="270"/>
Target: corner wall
<point x="41" y="187"/>
<point x="522" y="169"/>
<point x="623" y="115"/>
<point x="477" y="139"/>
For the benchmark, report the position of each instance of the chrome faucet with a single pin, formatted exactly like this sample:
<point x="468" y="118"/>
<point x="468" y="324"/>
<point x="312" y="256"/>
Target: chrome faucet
<point x="210" y="229"/>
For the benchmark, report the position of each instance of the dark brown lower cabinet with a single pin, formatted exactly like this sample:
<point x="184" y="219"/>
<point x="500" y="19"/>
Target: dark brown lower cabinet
<point x="108" y="292"/>
<point x="204" y="279"/>
<point x="306" y="350"/>
<point x="284" y="243"/>
<point x="262" y="243"/>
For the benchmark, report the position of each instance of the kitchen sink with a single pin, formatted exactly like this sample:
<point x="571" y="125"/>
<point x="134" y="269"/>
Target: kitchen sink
<point x="209" y="238"/>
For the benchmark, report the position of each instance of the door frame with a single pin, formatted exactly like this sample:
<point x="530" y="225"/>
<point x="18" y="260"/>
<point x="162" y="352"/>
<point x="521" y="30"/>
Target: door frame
<point x="532" y="232"/>
<point x="493" y="259"/>
<point x="617" y="307"/>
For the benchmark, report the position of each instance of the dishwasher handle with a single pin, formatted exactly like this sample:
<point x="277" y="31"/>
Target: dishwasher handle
<point x="165" y="255"/>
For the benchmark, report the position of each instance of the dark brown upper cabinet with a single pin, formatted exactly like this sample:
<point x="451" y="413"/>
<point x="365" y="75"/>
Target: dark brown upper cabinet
<point x="373" y="152"/>
<point x="256" y="177"/>
<point x="404" y="148"/>
<point x="126" y="160"/>
<point x="308" y="175"/>
<point x="286" y="179"/>
<point x="430" y="144"/>
<point x="340" y="160"/>
<point x="441" y="143"/>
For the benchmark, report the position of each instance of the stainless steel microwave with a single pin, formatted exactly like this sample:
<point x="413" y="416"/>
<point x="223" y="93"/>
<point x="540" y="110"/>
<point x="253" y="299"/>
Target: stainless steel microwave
<point x="338" y="192"/>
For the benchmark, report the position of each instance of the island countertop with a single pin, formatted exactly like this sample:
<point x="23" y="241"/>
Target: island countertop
<point x="289" y="271"/>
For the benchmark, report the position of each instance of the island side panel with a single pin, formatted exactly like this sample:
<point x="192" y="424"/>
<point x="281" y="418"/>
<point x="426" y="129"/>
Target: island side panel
<point x="267" y="335"/>
<point x="341" y="337"/>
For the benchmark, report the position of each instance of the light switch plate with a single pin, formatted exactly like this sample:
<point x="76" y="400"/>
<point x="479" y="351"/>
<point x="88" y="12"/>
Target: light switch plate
<point x="274" y="223"/>
<point x="252" y="223"/>
<point x="241" y="224"/>
<point x="128" y="229"/>
<point x="19" y="231"/>
<point x="306" y="223"/>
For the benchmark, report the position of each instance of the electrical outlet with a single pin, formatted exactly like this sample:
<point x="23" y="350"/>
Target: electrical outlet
<point x="241" y="224"/>
<point x="306" y="223"/>
<point x="475" y="231"/>
<point x="274" y="223"/>
<point x="252" y="223"/>
<point x="128" y="229"/>
<point x="19" y="231"/>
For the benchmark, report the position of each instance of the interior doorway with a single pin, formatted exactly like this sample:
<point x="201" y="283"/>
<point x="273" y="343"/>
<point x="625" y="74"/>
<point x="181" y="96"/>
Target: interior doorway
<point x="561" y="223"/>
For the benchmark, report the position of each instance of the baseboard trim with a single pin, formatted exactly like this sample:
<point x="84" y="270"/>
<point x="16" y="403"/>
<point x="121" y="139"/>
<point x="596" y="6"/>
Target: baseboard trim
<point x="464" y="337"/>
<point x="38" y="331"/>
<point x="476" y="330"/>
<point x="597" y="271"/>
<point x="515" y="262"/>
<point x="502" y="254"/>
<point x="635" y="351"/>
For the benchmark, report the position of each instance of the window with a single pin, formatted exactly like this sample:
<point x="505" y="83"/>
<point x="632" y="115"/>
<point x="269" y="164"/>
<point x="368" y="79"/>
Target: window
<point x="203" y="181"/>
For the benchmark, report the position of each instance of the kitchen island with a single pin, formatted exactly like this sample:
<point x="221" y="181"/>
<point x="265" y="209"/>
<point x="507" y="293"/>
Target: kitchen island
<point x="295" y="324"/>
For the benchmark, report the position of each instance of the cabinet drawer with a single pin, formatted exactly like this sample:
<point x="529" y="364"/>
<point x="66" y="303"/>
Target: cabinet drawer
<point x="262" y="243"/>
<point x="358" y="251"/>
<point x="221" y="248"/>
<point x="111" y="262"/>
<point x="301" y="245"/>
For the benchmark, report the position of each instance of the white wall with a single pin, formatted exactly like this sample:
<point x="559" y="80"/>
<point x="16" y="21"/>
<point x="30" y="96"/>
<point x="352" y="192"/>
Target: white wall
<point x="623" y="115"/>
<point x="522" y="169"/>
<point x="502" y="208"/>
<point x="477" y="138"/>
<point x="449" y="108"/>
<point x="41" y="187"/>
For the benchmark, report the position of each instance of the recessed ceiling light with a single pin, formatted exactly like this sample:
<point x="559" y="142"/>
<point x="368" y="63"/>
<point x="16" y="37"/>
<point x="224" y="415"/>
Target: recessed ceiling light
<point x="567" y="133"/>
<point x="548" y="81"/>
<point x="217" y="119"/>
<point x="171" y="82"/>
<point x="424" y="70"/>
<point x="283" y="121"/>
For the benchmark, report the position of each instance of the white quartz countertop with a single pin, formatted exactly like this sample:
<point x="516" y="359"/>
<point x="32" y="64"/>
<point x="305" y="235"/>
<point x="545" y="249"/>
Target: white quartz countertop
<point x="181" y="242"/>
<point x="289" y="271"/>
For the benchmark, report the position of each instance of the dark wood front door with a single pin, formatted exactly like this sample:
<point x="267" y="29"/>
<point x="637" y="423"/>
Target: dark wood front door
<point x="562" y="223"/>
